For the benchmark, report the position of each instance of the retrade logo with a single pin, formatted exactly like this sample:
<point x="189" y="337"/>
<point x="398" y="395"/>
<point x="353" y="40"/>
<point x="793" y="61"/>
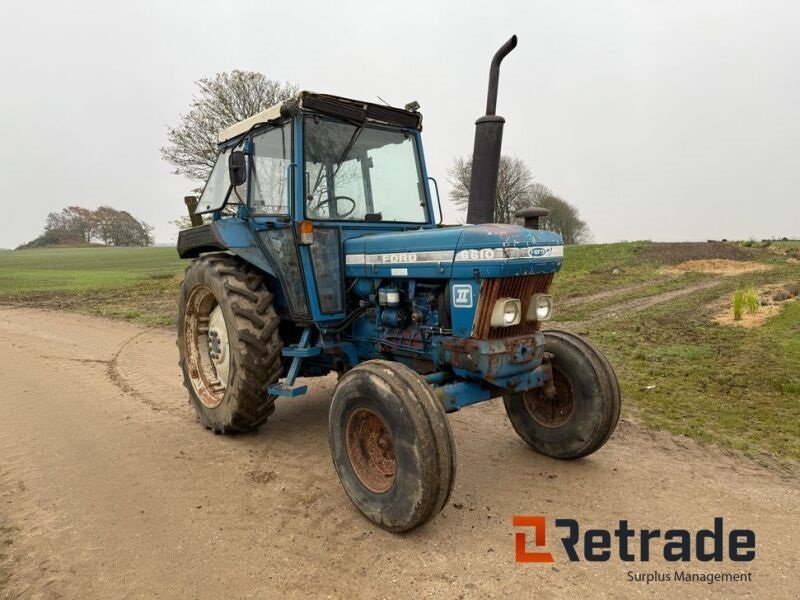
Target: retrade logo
<point x="521" y="541"/>
<point x="631" y="545"/>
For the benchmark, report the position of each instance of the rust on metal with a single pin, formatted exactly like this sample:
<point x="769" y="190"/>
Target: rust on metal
<point x="551" y="410"/>
<point x="521" y="287"/>
<point x="466" y="353"/>
<point x="549" y="388"/>
<point x="199" y="356"/>
<point x="370" y="449"/>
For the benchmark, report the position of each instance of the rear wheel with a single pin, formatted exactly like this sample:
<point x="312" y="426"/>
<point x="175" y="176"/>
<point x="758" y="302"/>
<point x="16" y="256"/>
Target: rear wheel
<point x="228" y="343"/>
<point x="582" y="413"/>
<point x="392" y="445"/>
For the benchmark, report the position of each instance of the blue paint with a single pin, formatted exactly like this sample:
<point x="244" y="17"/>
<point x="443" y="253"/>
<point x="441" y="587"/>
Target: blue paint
<point x="438" y="272"/>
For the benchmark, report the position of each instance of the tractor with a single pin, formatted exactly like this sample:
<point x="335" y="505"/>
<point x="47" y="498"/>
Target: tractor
<point x="325" y="253"/>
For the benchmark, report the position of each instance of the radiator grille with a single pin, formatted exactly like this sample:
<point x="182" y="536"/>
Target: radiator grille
<point x="508" y="287"/>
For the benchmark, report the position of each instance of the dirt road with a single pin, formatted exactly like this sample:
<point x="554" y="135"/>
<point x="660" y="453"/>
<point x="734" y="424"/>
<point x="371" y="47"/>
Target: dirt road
<point x="110" y="489"/>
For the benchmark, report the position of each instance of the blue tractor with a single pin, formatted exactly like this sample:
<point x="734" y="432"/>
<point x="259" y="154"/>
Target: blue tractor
<point x="324" y="254"/>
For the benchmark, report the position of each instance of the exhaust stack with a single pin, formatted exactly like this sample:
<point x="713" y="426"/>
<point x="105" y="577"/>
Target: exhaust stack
<point x="486" y="153"/>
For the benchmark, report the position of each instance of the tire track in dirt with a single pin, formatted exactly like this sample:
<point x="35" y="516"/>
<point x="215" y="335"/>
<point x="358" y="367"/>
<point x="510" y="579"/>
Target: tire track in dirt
<point x="637" y="305"/>
<point x="581" y="300"/>
<point x="145" y="367"/>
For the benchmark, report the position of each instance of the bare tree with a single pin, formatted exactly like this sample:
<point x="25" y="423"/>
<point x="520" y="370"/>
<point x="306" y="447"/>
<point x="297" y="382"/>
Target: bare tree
<point x="514" y="179"/>
<point x="222" y="100"/>
<point x="563" y="218"/>
<point x="516" y="190"/>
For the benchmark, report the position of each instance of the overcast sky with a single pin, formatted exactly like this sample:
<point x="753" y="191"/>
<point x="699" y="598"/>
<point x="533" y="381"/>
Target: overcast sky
<point x="662" y="120"/>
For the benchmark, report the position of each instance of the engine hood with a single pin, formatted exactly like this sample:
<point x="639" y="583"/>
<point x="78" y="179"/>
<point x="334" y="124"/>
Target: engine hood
<point x="496" y="250"/>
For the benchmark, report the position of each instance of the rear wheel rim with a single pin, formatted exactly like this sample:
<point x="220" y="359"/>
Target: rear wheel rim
<point x="370" y="450"/>
<point x="207" y="347"/>
<point x="551" y="412"/>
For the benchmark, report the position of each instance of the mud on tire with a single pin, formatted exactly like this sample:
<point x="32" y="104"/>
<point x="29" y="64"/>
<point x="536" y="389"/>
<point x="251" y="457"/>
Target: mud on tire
<point x="250" y="323"/>
<point x="586" y="409"/>
<point x="391" y="445"/>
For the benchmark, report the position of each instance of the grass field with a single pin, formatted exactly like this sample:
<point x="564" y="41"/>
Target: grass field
<point x="136" y="284"/>
<point x="737" y="387"/>
<point x="679" y="370"/>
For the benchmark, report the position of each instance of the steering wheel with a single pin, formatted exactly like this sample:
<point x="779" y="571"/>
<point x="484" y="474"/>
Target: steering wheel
<point x="340" y="215"/>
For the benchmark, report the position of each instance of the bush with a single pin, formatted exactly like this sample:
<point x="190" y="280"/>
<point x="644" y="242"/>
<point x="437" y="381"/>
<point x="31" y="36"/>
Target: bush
<point x="746" y="299"/>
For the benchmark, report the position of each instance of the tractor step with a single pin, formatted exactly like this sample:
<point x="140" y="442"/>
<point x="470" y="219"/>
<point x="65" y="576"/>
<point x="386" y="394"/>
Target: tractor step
<point x="300" y="351"/>
<point x="287" y="391"/>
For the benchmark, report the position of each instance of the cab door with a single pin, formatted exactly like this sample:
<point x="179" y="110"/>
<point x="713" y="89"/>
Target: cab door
<point x="270" y="197"/>
<point x="321" y="262"/>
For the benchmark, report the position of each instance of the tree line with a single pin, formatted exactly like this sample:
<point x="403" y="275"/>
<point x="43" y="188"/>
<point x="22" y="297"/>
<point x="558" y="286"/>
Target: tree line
<point x="227" y="98"/>
<point x="516" y="189"/>
<point x="78" y="226"/>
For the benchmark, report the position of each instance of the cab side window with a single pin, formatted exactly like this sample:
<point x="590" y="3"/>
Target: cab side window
<point x="217" y="187"/>
<point x="272" y="153"/>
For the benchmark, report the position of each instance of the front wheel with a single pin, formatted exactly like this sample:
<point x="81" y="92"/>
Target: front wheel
<point x="391" y="444"/>
<point x="581" y="415"/>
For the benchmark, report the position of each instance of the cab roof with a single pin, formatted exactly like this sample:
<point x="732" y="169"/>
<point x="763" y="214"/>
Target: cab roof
<point x="344" y="108"/>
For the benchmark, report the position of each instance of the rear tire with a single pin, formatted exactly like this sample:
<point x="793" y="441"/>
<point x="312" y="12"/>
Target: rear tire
<point x="392" y="445"/>
<point x="228" y="343"/>
<point x="585" y="411"/>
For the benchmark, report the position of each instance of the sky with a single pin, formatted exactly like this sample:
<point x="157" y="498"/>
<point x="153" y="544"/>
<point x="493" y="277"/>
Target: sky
<point x="662" y="120"/>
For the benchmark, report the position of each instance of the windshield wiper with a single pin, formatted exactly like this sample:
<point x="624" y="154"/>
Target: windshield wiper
<point x="350" y="144"/>
<point x="339" y="162"/>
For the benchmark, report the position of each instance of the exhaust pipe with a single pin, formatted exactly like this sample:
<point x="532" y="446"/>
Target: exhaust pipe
<point x="486" y="153"/>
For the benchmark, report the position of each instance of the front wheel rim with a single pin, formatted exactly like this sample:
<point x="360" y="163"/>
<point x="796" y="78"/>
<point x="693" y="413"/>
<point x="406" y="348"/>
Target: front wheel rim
<point x="552" y="412"/>
<point x="207" y="347"/>
<point x="370" y="450"/>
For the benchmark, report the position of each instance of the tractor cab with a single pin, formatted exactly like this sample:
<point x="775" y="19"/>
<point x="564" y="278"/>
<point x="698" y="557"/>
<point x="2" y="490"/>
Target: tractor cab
<point x="314" y="172"/>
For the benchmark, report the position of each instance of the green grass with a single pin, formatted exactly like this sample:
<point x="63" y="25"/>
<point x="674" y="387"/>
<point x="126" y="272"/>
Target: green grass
<point x="662" y="283"/>
<point x="136" y="284"/>
<point x="83" y="269"/>
<point x="746" y="299"/>
<point x="735" y="387"/>
<point x="590" y="269"/>
<point x="787" y="245"/>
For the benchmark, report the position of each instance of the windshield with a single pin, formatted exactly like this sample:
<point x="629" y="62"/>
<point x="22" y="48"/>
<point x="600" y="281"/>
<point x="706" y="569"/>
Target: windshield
<point x="362" y="173"/>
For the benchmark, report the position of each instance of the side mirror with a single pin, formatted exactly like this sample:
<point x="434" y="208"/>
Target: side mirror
<point x="237" y="168"/>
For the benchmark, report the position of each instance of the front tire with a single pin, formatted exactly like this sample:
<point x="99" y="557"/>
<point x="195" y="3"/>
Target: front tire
<point x="584" y="412"/>
<point x="228" y="343"/>
<point x="392" y="445"/>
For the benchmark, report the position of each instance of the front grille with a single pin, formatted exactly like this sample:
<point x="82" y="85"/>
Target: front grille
<point x="522" y="288"/>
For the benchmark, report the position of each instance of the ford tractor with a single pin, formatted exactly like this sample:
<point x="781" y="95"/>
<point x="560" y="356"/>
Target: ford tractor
<point x="324" y="253"/>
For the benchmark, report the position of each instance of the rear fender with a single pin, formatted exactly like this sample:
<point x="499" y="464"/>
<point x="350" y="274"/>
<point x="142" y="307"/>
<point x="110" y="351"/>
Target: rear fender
<point x="232" y="235"/>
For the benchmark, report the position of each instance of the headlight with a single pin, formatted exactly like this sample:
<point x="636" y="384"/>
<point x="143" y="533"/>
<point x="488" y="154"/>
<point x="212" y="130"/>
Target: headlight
<point x="506" y="312"/>
<point x="540" y="307"/>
